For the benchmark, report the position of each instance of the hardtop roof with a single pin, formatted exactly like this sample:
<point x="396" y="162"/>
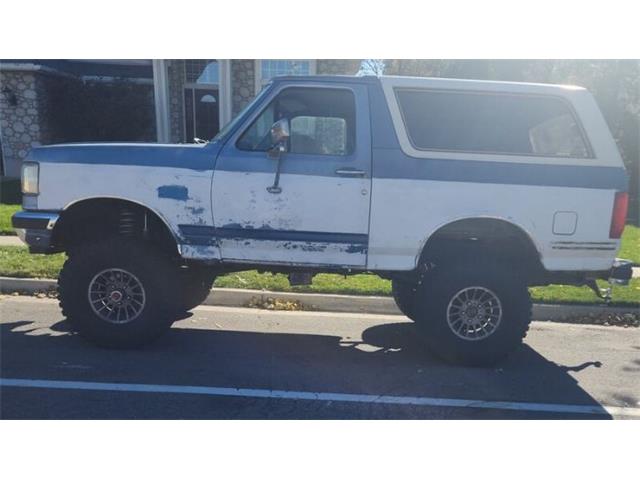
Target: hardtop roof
<point x="432" y="82"/>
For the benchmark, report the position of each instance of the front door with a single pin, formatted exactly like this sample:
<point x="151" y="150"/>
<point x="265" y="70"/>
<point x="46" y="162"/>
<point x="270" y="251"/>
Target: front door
<point x="320" y="213"/>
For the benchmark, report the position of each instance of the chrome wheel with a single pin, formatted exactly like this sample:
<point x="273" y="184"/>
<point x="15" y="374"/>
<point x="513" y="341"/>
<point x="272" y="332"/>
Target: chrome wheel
<point x="116" y="296"/>
<point x="474" y="313"/>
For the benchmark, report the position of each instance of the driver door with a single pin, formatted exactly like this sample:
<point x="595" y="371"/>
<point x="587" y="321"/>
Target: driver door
<point x="319" y="215"/>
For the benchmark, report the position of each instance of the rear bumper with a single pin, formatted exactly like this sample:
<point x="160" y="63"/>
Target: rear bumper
<point x="621" y="272"/>
<point x="35" y="229"/>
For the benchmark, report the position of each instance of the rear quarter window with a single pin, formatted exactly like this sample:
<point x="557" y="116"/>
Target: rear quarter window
<point x="491" y="123"/>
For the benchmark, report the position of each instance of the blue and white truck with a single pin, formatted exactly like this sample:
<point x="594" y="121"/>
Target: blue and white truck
<point x="463" y="193"/>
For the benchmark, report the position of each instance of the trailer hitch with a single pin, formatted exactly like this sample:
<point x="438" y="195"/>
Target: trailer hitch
<point x="603" y="293"/>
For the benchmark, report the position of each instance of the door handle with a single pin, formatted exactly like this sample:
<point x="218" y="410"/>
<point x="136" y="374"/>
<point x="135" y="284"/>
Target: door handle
<point x="350" y="172"/>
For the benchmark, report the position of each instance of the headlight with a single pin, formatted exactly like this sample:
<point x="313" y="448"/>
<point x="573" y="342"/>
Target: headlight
<point x="30" y="173"/>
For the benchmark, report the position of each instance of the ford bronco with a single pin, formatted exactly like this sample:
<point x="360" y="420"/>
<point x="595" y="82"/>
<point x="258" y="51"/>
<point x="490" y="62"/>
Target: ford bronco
<point x="462" y="193"/>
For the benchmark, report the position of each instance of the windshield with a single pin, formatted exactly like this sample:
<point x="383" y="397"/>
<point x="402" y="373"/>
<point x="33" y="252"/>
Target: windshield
<point x="232" y="124"/>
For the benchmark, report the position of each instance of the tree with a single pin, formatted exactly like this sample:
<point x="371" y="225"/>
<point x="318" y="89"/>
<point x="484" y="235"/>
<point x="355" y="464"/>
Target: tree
<point x="372" y="67"/>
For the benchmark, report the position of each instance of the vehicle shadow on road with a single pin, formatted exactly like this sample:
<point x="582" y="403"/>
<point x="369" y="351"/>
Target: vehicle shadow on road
<point x="388" y="359"/>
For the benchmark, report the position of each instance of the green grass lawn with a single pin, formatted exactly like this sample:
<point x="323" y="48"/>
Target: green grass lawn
<point x="630" y="248"/>
<point x="17" y="262"/>
<point x="361" y="284"/>
<point x="6" y="211"/>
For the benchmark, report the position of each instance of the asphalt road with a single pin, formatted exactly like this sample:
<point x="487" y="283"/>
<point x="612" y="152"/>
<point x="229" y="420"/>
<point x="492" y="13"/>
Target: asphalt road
<point x="232" y="363"/>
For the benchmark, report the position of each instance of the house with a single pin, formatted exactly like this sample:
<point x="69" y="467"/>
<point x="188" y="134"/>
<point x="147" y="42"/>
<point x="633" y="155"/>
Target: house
<point x="175" y="101"/>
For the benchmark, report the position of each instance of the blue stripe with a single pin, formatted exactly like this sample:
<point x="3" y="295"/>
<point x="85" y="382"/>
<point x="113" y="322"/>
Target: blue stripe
<point x="198" y="234"/>
<point x="394" y="164"/>
<point x="200" y="158"/>
<point x="207" y="235"/>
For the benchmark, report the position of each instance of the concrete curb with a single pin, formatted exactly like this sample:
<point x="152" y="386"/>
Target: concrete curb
<point x="11" y="241"/>
<point x="26" y="285"/>
<point x="233" y="297"/>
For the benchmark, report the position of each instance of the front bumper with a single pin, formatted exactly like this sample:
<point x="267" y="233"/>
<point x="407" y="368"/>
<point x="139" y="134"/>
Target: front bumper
<point x="35" y="229"/>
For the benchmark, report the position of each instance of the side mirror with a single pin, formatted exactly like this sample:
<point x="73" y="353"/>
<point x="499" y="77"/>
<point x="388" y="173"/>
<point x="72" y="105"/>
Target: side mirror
<point x="279" y="137"/>
<point x="280" y="133"/>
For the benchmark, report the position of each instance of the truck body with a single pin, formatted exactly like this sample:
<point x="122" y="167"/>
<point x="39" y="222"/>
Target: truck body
<point x="391" y="175"/>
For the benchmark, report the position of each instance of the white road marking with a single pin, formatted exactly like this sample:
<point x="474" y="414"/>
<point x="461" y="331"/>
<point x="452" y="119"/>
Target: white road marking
<point x="320" y="396"/>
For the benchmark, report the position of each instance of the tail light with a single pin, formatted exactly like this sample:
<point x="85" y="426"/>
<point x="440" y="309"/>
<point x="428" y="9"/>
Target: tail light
<point x="619" y="215"/>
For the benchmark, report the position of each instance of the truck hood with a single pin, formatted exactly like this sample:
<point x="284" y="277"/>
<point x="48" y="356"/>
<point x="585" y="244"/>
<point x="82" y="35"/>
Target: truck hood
<point x="199" y="157"/>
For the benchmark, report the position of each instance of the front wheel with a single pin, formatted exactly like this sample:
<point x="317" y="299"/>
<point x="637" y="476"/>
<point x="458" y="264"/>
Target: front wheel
<point x="473" y="314"/>
<point x="116" y="292"/>
<point x="194" y="287"/>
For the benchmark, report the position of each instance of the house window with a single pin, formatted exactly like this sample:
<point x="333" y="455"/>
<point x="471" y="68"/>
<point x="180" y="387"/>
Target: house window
<point x="202" y="71"/>
<point x="267" y="69"/>
<point x="201" y="99"/>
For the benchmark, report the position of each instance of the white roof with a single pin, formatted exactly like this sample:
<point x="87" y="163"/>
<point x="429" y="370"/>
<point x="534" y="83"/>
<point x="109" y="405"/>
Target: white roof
<point x="484" y="85"/>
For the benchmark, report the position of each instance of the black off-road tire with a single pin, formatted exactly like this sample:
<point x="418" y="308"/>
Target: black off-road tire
<point x="156" y="273"/>
<point x="404" y="294"/>
<point x="194" y="286"/>
<point x="443" y="285"/>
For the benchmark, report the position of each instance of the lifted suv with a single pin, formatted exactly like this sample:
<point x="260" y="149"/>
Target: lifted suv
<point x="463" y="193"/>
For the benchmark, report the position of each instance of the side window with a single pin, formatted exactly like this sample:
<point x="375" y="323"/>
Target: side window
<point x="491" y="123"/>
<point x="258" y="137"/>
<point x="321" y="121"/>
<point x="558" y="136"/>
<point x="319" y="135"/>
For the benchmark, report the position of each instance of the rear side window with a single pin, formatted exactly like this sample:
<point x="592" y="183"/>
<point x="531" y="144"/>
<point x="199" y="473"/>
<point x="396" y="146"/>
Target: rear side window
<point x="491" y="123"/>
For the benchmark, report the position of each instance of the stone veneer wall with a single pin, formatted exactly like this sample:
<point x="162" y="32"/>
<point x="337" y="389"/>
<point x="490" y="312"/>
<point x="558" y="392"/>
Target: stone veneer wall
<point x="20" y="125"/>
<point x="242" y="92"/>
<point x="243" y="77"/>
<point x="242" y="84"/>
<point x="27" y="124"/>
<point x="47" y="114"/>
<point x="41" y="97"/>
<point x="176" y="100"/>
<point x="337" y="67"/>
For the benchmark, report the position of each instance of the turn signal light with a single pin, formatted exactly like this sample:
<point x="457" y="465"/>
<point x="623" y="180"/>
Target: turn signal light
<point x="619" y="215"/>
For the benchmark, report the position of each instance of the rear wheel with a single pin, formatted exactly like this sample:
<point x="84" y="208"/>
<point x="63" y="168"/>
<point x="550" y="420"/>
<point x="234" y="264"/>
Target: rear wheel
<point x="404" y="295"/>
<point x="117" y="292"/>
<point x="474" y="314"/>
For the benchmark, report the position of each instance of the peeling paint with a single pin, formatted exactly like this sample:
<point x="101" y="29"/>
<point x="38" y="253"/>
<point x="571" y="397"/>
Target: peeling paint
<point x="235" y="225"/>
<point x="174" y="192"/>
<point x="356" y="248"/>
<point x="290" y="246"/>
<point x="200" y="252"/>
<point x="196" y="210"/>
<point x="313" y="247"/>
